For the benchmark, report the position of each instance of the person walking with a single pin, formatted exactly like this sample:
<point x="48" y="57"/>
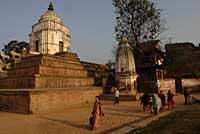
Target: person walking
<point x="145" y="102"/>
<point x="170" y="100"/>
<point x="162" y="97"/>
<point x="116" y="99"/>
<point x="151" y="104"/>
<point x="156" y="104"/>
<point x="96" y="113"/>
<point x="186" y="95"/>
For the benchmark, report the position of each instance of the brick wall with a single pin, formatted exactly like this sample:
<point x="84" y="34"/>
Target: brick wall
<point x="169" y="84"/>
<point x="192" y="84"/>
<point x="41" y="101"/>
<point x="17" y="82"/>
<point x="47" y="71"/>
<point x="56" y="71"/>
<point x="166" y="85"/>
<point x="62" y="82"/>
<point x="54" y="100"/>
<point x="15" y="101"/>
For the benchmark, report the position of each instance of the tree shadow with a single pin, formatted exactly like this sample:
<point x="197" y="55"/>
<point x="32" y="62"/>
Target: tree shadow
<point x="66" y="122"/>
<point x="118" y="114"/>
<point x="137" y="110"/>
<point x="123" y="125"/>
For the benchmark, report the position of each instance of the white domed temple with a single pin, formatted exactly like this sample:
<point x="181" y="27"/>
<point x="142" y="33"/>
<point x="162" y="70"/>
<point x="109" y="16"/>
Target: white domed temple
<point x="49" y="35"/>
<point x="125" y="66"/>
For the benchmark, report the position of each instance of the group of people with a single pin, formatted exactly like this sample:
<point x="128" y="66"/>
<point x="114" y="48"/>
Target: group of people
<point x="156" y="103"/>
<point x="153" y="103"/>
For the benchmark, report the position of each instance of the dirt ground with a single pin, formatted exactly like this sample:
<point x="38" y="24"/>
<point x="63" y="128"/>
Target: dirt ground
<point x="184" y="120"/>
<point x="74" y="120"/>
<point x="71" y="121"/>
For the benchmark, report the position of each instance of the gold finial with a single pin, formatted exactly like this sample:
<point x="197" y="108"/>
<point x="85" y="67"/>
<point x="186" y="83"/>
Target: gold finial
<point x="51" y="7"/>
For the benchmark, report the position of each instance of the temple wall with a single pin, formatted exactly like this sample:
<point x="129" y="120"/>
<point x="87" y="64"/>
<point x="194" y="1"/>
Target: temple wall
<point x="61" y="62"/>
<point x="31" y="71"/>
<point x="191" y="83"/>
<point x="39" y="81"/>
<point x="62" y="82"/>
<point x="42" y="101"/>
<point x="17" y="82"/>
<point x="29" y="62"/>
<point x="51" y="100"/>
<point x="55" y="71"/>
<point x="166" y="85"/>
<point x="13" y="101"/>
<point x="169" y="84"/>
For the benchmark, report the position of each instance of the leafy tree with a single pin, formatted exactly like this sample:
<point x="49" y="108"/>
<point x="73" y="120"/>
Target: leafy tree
<point x="16" y="46"/>
<point x="139" y="20"/>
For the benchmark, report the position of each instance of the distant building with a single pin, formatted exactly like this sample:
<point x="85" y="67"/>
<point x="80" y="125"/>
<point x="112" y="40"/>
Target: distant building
<point x="151" y="66"/>
<point x="125" y="66"/>
<point x="183" y="60"/>
<point x="49" y="35"/>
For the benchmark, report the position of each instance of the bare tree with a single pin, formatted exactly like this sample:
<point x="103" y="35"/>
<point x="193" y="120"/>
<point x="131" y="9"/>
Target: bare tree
<point x="139" y="20"/>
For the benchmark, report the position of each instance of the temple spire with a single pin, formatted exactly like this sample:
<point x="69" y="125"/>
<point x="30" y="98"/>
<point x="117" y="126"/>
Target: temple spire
<point x="51" y="7"/>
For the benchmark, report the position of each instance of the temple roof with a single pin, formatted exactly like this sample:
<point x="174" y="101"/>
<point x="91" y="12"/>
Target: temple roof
<point x="50" y="15"/>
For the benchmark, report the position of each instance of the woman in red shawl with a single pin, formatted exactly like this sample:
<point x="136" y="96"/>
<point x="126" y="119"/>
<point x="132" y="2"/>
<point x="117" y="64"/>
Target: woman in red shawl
<point x="170" y="102"/>
<point x="96" y="113"/>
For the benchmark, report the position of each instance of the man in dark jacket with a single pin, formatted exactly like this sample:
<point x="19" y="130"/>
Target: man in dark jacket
<point x="186" y="94"/>
<point x="162" y="97"/>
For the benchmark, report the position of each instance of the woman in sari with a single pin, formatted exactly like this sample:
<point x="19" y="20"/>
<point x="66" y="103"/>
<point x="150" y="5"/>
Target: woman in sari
<point x="162" y="97"/>
<point x="170" y="99"/>
<point x="96" y="113"/>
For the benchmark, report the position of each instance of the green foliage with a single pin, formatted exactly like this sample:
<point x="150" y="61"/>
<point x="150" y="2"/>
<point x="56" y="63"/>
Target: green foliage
<point x="16" y="46"/>
<point x="139" y="20"/>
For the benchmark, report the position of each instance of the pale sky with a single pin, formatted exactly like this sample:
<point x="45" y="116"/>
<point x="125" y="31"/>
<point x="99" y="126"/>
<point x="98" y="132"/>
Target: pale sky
<point x="91" y="23"/>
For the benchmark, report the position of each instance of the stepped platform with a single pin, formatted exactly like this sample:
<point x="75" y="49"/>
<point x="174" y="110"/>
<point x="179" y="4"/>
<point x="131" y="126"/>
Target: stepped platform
<point x="47" y="71"/>
<point x="45" y="83"/>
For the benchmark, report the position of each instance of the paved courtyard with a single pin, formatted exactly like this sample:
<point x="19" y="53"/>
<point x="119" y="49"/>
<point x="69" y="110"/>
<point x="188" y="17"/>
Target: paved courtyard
<point x="74" y="120"/>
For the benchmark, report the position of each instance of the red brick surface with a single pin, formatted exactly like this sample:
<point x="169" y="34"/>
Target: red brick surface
<point x="48" y="71"/>
<point x="46" y="100"/>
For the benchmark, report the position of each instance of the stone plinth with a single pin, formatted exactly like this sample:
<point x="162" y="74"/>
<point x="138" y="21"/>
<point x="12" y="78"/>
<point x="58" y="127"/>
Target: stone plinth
<point x="33" y="101"/>
<point x="48" y="71"/>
